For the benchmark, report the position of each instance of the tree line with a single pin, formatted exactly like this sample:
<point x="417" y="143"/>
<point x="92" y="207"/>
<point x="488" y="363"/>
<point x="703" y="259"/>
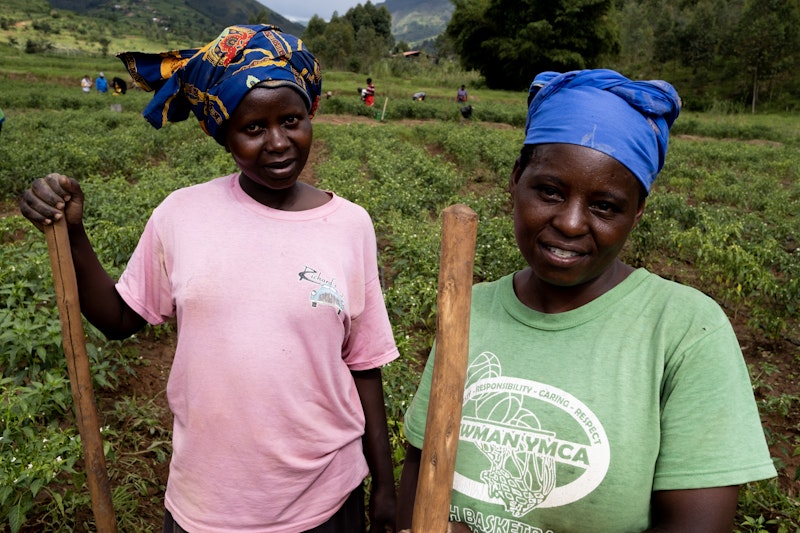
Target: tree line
<point x="354" y="41"/>
<point x="732" y="54"/>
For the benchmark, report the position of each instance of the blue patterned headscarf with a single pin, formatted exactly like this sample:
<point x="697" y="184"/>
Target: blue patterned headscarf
<point x="601" y="109"/>
<point x="211" y="81"/>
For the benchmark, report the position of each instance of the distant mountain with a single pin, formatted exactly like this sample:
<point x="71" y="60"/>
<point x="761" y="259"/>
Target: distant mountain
<point x="415" y="21"/>
<point x="197" y="20"/>
<point x="192" y="22"/>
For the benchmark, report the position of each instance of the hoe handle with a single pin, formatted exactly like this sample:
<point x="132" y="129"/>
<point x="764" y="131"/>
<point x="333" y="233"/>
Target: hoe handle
<point x="432" y="503"/>
<point x="80" y="378"/>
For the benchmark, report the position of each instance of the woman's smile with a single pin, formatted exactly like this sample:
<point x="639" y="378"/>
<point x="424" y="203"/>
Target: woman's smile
<point x="574" y="208"/>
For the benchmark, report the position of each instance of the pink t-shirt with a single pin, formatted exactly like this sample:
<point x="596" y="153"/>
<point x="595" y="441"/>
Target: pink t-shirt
<point x="274" y="309"/>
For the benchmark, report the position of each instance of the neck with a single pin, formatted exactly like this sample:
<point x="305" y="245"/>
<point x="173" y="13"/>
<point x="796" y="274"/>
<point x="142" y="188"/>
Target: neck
<point x="547" y="298"/>
<point x="297" y="197"/>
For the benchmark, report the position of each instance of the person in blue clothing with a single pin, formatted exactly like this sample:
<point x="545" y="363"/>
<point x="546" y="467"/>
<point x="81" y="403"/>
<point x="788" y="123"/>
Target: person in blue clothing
<point x="101" y="84"/>
<point x="461" y="95"/>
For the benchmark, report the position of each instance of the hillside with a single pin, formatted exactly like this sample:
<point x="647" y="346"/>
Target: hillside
<point x="176" y="15"/>
<point x="109" y="26"/>
<point x="106" y="27"/>
<point x="415" y="21"/>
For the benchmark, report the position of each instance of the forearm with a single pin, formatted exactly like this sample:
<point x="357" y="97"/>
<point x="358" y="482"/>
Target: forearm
<point x="382" y="498"/>
<point x="376" y="433"/>
<point x="407" y="492"/>
<point x="100" y="302"/>
<point x="57" y="197"/>
<point x="708" y="510"/>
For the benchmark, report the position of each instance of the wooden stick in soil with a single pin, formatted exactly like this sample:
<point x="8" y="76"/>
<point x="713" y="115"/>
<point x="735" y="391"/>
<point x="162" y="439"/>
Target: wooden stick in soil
<point x="385" y="102"/>
<point x="80" y="378"/>
<point x="437" y="467"/>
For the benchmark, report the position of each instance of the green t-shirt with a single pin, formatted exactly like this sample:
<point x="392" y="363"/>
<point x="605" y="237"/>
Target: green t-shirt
<point x="571" y="420"/>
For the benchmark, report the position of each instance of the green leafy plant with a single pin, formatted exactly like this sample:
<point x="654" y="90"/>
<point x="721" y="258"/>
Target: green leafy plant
<point x="723" y="217"/>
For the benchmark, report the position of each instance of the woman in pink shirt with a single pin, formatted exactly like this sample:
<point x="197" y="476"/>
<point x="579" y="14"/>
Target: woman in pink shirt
<point x="276" y="386"/>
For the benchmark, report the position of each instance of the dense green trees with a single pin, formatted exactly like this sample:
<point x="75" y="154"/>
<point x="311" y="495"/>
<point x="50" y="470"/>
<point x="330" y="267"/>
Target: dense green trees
<point x="508" y="40"/>
<point x="354" y="41"/>
<point x="766" y="39"/>
<point x="718" y="52"/>
<point x="729" y="53"/>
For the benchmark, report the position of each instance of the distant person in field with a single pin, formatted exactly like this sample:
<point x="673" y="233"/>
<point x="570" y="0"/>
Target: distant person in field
<point x="2" y="119"/>
<point x="369" y="93"/>
<point x="276" y="385"/>
<point x="101" y="84"/>
<point x="418" y="96"/>
<point x="461" y="94"/>
<point x="119" y="85"/>
<point x="599" y="397"/>
<point x="86" y="84"/>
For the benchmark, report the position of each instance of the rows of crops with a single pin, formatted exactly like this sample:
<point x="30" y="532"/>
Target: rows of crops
<point x="723" y="217"/>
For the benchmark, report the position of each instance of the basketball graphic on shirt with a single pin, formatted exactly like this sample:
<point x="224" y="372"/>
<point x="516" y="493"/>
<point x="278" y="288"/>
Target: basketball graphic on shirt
<point x="524" y="457"/>
<point x="485" y="366"/>
<point x="519" y="476"/>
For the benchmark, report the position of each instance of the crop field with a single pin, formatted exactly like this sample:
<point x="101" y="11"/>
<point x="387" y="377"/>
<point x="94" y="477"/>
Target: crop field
<point x="724" y="217"/>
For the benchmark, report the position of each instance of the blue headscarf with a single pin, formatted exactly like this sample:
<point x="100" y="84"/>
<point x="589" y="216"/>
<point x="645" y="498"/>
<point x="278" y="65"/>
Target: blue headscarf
<point x="601" y="109"/>
<point x="211" y="81"/>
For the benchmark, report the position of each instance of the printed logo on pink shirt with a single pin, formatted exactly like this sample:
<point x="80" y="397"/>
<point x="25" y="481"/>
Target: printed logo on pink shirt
<point x="325" y="293"/>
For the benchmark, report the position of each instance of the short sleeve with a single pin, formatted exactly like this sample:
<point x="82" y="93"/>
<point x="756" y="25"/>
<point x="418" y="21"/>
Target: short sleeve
<point x="417" y="412"/>
<point x="711" y="433"/>
<point x="370" y="343"/>
<point x="145" y="285"/>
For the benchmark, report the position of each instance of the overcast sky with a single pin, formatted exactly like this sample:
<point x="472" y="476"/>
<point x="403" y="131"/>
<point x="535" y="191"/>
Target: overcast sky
<point x="303" y="10"/>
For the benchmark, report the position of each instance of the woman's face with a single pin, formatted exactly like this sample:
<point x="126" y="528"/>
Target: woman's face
<point x="269" y="136"/>
<point x="574" y="208"/>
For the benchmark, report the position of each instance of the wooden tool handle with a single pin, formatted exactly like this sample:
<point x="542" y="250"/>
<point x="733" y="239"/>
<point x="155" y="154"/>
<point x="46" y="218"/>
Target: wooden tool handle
<point x="437" y="467"/>
<point x="80" y="377"/>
